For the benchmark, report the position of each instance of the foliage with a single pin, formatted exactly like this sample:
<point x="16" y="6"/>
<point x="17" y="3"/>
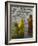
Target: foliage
<point x="17" y="31"/>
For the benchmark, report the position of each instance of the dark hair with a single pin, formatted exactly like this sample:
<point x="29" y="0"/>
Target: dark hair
<point x="30" y="16"/>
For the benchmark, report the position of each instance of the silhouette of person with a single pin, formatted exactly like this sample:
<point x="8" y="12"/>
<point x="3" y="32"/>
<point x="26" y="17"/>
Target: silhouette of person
<point x="30" y="26"/>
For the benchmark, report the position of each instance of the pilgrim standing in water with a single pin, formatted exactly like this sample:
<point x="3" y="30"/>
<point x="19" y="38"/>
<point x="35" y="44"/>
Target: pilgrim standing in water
<point x="30" y="26"/>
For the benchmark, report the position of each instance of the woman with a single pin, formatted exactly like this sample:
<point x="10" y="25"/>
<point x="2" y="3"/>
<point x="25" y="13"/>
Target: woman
<point x="30" y="26"/>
